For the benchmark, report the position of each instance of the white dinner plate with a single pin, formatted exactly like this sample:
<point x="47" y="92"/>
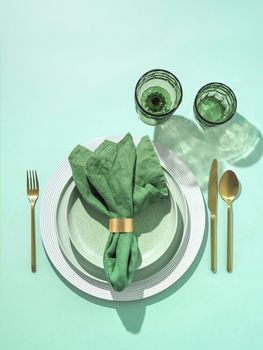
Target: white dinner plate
<point x="160" y="230"/>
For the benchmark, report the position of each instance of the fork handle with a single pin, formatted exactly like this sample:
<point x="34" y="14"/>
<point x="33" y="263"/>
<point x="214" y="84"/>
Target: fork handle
<point x="33" y="239"/>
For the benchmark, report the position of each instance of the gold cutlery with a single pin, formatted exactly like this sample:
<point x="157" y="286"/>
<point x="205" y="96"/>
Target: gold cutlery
<point x="212" y="205"/>
<point x="32" y="193"/>
<point x="228" y="189"/>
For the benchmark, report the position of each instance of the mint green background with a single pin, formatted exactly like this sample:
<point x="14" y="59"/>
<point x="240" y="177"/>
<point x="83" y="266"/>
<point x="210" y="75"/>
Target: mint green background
<point x="68" y="71"/>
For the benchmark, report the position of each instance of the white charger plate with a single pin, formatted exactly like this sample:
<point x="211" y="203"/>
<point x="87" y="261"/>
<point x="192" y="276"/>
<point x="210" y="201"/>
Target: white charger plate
<point x="160" y="280"/>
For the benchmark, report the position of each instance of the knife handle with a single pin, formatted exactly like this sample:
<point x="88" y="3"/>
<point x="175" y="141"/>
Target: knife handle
<point x="213" y="244"/>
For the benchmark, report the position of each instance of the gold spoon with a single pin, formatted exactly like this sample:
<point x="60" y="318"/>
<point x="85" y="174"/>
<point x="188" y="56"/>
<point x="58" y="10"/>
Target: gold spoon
<point x="228" y="189"/>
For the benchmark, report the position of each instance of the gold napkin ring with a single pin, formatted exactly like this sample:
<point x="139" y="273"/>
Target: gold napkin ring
<point x="121" y="225"/>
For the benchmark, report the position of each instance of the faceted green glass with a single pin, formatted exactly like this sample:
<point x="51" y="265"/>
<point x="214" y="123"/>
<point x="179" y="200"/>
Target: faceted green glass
<point x="215" y="103"/>
<point x="156" y="100"/>
<point x="158" y="93"/>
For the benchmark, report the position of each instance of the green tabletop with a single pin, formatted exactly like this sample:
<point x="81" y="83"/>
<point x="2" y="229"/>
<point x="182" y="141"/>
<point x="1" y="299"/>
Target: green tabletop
<point x="67" y="75"/>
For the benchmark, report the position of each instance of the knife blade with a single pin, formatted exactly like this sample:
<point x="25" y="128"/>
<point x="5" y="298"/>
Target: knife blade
<point x="213" y="188"/>
<point x="212" y="205"/>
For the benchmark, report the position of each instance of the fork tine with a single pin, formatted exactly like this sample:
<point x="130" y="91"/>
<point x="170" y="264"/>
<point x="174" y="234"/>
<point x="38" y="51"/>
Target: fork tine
<point x="27" y="180"/>
<point x="37" y="186"/>
<point x="33" y="180"/>
<point x="30" y="180"/>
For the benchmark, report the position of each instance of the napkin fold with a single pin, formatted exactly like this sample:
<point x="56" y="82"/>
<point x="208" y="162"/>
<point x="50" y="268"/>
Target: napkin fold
<point x="118" y="180"/>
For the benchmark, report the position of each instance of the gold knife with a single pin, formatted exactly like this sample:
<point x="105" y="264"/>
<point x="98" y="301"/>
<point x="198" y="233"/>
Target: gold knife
<point x="212" y="205"/>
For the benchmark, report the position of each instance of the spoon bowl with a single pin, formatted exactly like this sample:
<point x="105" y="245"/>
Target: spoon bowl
<point x="229" y="186"/>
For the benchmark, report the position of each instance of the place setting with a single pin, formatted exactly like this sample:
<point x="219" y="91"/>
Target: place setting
<point x="124" y="218"/>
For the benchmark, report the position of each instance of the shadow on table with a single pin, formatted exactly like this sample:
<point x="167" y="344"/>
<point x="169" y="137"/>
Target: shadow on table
<point x="132" y="313"/>
<point x="236" y="142"/>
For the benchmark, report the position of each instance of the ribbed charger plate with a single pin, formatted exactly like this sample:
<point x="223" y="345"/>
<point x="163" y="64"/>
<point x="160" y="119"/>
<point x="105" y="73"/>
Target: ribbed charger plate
<point x="159" y="281"/>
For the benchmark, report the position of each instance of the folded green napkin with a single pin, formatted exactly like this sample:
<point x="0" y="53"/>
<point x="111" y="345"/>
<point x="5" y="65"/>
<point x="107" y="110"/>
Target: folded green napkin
<point x="119" y="180"/>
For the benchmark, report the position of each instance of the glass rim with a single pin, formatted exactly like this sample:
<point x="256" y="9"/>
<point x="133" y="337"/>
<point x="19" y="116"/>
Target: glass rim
<point x="164" y="114"/>
<point x="203" y="88"/>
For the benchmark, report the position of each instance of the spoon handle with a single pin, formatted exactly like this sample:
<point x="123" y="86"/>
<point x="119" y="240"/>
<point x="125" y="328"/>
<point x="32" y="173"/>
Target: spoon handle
<point x="229" y="239"/>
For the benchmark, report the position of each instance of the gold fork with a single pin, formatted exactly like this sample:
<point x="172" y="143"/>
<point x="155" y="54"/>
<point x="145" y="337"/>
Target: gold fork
<point x="32" y="193"/>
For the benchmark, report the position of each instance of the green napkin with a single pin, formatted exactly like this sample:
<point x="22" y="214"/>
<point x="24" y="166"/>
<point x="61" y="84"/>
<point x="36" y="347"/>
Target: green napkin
<point x="118" y="180"/>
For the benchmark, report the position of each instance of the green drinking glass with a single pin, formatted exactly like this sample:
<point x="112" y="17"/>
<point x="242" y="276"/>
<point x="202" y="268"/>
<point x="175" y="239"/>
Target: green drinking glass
<point x="158" y="93"/>
<point x="215" y="104"/>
